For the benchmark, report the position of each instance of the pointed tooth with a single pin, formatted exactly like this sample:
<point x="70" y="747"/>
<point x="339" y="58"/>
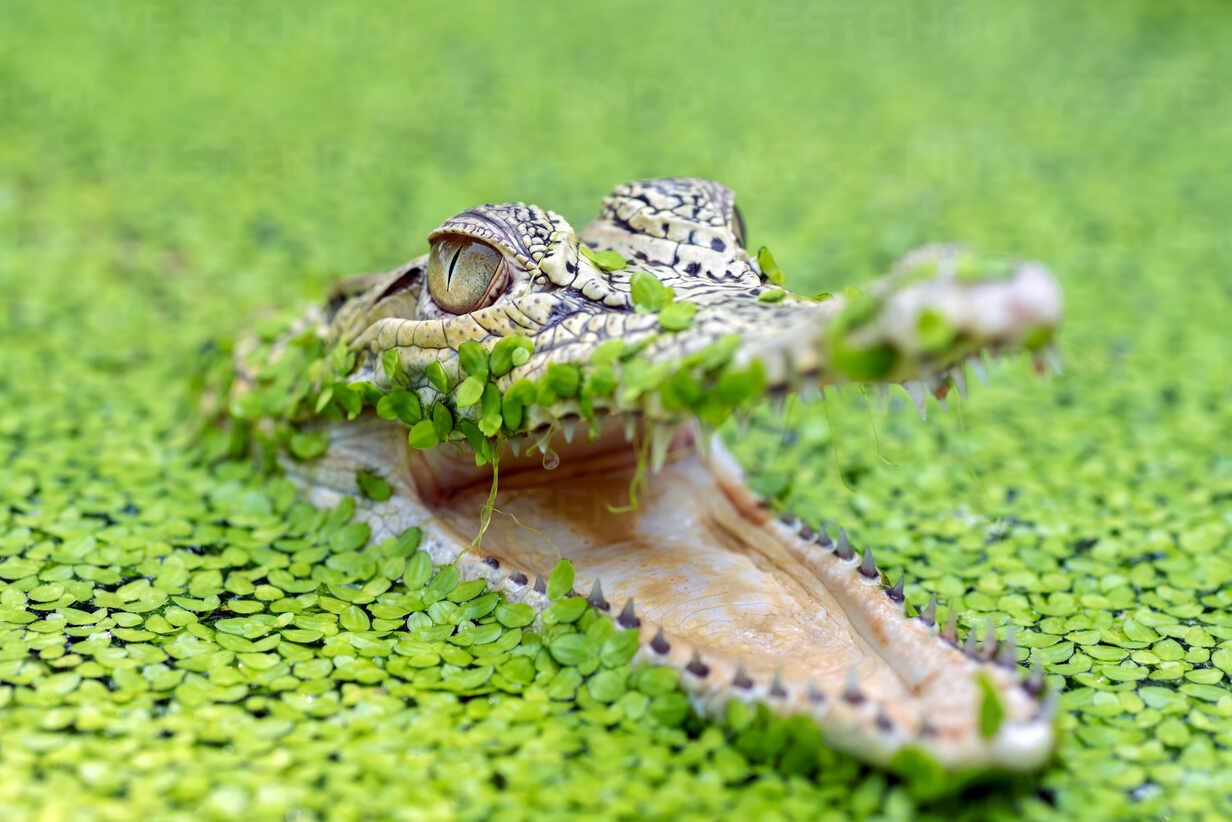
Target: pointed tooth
<point x="1052" y="359"/>
<point x="777" y="689"/>
<point x="823" y="539"/>
<point x="978" y="369"/>
<point x="630" y="427"/>
<point x="972" y="646"/>
<point x="884" y="723"/>
<point x="516" y="444"/>
<point x="628" y="616"/>
<point x="541" y="587"/>
<point x="661" y="438"/>
<point x="844" y="549"/>
<point x="1007" y="653"/>
<point x="919" y="396"/>
<point x="929" y="615"/>
<point x="1048" y="709"/>
<point x="989" y="648"/>
<point x="696" y="667"/>
<point x="660" y="644"/>
<point x="896" y="593"/>
<point x="810" y="392"/>
<point x="950" y="632"/>
<point x="868" y="567"/>
<point x="596" y="597"/>
<point x="542" y="445"/>
<point x="960" y="380"/>
<point x="1034" y="683"/>
<point x="813" y="694"/>
<point x="742" y="680"/>
<point x="568" y="427"/>
<point x="851" y="691"/>
<point x="518" y="578"/>
<point x="881" y="394"/>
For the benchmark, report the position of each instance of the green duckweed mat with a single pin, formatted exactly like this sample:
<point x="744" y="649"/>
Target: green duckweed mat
<point x="180" y="638"/>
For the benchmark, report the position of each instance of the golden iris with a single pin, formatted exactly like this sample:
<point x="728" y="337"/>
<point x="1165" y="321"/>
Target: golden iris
<point x="462" y="273"/>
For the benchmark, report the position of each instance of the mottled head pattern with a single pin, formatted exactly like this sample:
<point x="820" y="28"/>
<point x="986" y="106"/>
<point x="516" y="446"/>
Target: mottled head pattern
<point x="685" y="232"/>
<point x="569" y="293"/>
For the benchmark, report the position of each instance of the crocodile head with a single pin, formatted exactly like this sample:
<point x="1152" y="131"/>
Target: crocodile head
<point x="556" y="391"/>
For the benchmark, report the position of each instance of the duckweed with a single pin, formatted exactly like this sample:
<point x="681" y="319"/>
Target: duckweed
<point x="181" y="637"/>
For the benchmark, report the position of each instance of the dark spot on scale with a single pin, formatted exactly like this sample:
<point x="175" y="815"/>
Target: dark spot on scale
<point x="742" y="681"/>
<point x="660" y="644"/>
<point x="692" y="268"/>
<point x="491" y="562"/>
<point x="1011" y="494"/>
<point x="718" y="245"/>
<point x="777" y="690"/>
<point x="884" y="723"/>
<point x="666" y="228"/>
<point x="571" y="268"/>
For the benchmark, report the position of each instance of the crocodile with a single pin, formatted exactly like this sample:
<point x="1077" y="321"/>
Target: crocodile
<point x="525" y="393"/>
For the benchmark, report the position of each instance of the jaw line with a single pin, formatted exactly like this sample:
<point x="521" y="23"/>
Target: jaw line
<point x="748" y="608"/>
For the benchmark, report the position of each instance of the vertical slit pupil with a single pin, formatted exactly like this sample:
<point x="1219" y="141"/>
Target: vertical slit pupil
<point x="452" y="264"/>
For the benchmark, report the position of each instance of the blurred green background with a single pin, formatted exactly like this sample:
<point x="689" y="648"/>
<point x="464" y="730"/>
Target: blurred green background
<point x="170" y="170"/>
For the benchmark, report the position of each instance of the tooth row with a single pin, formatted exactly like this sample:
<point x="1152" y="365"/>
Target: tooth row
<point x="850" y="701"/>
<point x="1003" y="652"/>
<point x="955" y="377"/>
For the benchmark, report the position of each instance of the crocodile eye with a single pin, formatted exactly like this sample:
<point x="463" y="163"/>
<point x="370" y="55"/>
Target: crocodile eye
<point x="738" y="225"/>
<point x="464" y="274"/>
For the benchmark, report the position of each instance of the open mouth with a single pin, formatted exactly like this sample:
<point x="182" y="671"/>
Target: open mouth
<point x="531" y="395"/>
<point x="745" y="604"/>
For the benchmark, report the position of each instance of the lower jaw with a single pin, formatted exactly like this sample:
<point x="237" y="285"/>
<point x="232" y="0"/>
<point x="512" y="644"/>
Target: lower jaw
<point x="739" y="601"/>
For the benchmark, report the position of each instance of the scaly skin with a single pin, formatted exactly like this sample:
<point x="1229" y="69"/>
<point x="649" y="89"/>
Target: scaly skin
<point x="748" y="606"/>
